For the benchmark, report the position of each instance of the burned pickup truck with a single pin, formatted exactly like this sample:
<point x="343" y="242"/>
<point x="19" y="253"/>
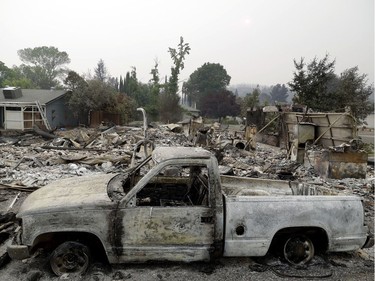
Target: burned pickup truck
<point x="176" y="206"/>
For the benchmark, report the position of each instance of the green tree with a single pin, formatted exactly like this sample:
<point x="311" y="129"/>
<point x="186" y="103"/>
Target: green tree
<point x="319" y="88"/>
<point x="218" y="104"/>
<point x="279" y="93"/>
<point x="353" y="91"/>
<point x="152" y="108"/>
<point x="21" y="82"/>
<point x="264" y="99"/>
<point x="178" y="57"/>
<point x="136" y="90"/>
<point x="5" y="73"/>
<point x="89" y="95"/>
<point x="43" y="65"/>
<point x="13" y="77"/>
<point x="141" y="94"/>
<point x="121" y="86"/>
<point x="210" y="77"/>
<point x="310" y="82"/>
<point x="126" y="107"/>
<point x="100" y="71"/>
<point x="78" y="95"/>
<point x="99" y="96"/>
<point x="155" y="80"/>
<point x="74" y="81"/>
<point x="113" y="82"/>
<point x="251" y="100"/>
<point x="131" y="83"/>
<point x="170" y="110"/>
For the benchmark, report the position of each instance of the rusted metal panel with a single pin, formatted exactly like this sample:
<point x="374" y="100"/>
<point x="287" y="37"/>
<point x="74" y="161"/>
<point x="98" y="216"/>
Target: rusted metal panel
<point x="338" y="165"/>
<point x="305" y="132"/>
<point x="348" y="157"/>
<point x="302" y="133"/>
<point x="331" y="129"/>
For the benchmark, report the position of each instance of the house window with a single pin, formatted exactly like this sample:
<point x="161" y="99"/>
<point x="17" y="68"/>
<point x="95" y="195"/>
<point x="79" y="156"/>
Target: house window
<point x="31" y="117"/>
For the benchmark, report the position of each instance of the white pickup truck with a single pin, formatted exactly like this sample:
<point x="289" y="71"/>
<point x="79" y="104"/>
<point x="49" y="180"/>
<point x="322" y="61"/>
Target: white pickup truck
<point x="176" y="206"/>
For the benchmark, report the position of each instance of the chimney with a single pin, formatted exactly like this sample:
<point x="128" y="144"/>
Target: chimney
<point x="12" y="93"/>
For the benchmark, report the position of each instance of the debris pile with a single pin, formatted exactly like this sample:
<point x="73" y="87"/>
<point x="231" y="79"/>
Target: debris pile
<point x="30" y="161"/>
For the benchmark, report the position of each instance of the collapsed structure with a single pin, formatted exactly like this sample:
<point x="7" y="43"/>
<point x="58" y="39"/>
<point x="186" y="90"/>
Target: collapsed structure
<point x="326" y="141"/>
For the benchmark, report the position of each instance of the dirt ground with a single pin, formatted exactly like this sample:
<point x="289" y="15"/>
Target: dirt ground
<point x="41" y="167"/>
<point x="339" y="266"/>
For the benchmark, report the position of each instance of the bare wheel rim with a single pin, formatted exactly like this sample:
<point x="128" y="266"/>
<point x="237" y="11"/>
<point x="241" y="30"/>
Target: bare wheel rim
<point x="70" y="257"/>
<point x="298" y="250"/>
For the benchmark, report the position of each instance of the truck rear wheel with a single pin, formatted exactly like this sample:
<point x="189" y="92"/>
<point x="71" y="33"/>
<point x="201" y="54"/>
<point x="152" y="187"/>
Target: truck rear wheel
<point x="70" y="257"/>
<point x="298" y="250"/>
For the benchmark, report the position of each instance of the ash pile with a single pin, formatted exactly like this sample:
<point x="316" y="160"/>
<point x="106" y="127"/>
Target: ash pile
<point x="31" y="160"/>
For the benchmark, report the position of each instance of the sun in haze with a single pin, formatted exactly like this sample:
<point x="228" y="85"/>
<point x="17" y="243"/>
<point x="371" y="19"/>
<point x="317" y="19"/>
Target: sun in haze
<point x="247" y="22"/>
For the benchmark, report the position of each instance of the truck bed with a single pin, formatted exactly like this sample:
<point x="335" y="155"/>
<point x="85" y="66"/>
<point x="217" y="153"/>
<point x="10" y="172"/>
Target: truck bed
<point x="241" y="186"/>
<point x="256" y="210"/>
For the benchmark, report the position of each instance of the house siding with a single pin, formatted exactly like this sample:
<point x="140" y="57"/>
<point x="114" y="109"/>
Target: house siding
<point x="59" y="115"/>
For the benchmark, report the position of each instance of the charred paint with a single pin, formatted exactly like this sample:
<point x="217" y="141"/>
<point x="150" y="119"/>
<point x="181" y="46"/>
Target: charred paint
<point x="115" y="231"/>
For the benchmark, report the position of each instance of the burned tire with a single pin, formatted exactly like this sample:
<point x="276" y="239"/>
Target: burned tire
<point x="70" y="257"/>
<point x="298" y="250"/>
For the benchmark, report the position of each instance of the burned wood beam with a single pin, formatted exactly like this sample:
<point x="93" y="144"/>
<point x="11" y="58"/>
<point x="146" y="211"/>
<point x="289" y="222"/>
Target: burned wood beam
<point x="19" y="162"/>
<point x="34" y="159"/>
<point x="42" y="133"/>
<point x="92" y="138"/>
<point x="18" y="187"/>
<point x="14" y="201"/>
<point x="4" y="257"/>
<point x="10" y="216"/>
<point x="5" y="225"/>
<point x="269" y="123"/>
<point x="71" y="148"/>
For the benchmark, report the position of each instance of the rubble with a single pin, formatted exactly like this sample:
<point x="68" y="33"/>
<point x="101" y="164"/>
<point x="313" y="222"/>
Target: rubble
<point x="338" y="165"/>
<point x="29" y="161"/>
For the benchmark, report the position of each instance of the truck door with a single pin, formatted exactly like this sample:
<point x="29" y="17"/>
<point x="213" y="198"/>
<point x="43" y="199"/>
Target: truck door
<point x="172" y="219"/>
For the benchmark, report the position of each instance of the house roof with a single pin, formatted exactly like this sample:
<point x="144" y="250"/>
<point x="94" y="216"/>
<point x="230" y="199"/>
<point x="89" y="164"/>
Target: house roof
<point x="32" y="95"/>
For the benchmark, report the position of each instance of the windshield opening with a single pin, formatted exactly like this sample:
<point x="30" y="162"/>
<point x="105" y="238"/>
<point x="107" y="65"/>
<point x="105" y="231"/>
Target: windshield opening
<point x="122" y="183"/>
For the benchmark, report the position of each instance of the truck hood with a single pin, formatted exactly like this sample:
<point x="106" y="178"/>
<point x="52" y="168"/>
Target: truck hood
<point x="86" y="192"/>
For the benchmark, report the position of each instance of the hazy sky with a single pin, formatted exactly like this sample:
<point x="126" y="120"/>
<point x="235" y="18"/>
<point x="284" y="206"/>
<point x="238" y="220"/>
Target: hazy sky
<point x="255" y="40"/>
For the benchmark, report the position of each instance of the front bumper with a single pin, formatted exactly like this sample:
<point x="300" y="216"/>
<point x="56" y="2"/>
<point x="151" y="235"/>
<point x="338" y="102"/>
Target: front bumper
<point x="16" y="250"/>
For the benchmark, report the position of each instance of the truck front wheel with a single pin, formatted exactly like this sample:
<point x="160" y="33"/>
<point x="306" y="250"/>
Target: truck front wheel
<point x="298" y="250"/>
<point x="70" y="257"/>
